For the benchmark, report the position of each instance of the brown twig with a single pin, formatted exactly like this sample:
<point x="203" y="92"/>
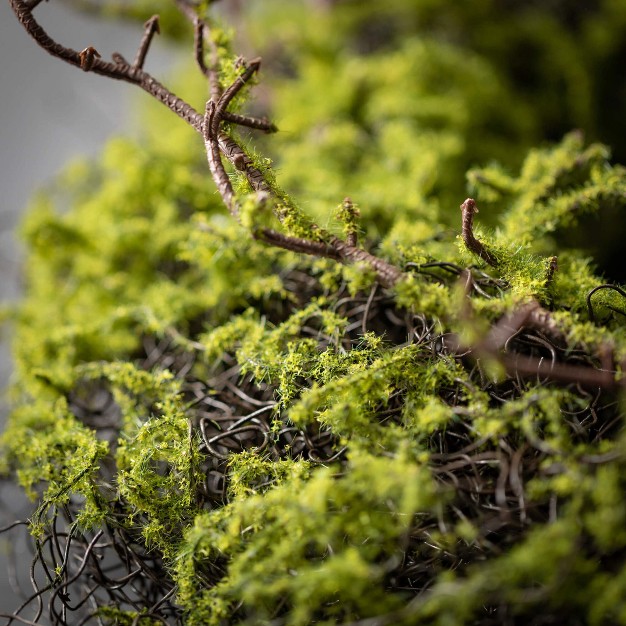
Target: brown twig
<point x="297" y="244"/>
<point x="215" y="162"/>
<point x="229" y="94"/>
<point x="198" y="41"/>
<point x="90" y="61"/>
<point x="257" y="123"/>
<point x="210" y="71"/>
<point x="151" y="27"/>
<point x="586" y="377"/>
<point x="469" y="208"/>
<point x="209" y="126"/>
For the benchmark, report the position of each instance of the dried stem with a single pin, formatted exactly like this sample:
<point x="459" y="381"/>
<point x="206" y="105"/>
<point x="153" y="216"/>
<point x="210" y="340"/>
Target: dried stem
<point x="227" y="97"/>
<point x="88" y="57"/>
<point x="198" y="41"/>
<point x="217" y="141"/>
<point x="469" y="208"/>
<point x="215" y="162"/>
<point x="151" y="27"/>
<point x="88" y="60"/>
<point x="296" y="244"/>
<point x="257" y="123"/>
<point x="586" y="377"/>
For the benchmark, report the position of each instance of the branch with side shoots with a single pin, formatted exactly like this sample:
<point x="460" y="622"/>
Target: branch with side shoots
<point x="219" y="144"/>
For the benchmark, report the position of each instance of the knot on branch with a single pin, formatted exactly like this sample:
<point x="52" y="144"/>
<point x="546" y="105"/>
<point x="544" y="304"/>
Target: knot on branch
<point x="88" y="57"/>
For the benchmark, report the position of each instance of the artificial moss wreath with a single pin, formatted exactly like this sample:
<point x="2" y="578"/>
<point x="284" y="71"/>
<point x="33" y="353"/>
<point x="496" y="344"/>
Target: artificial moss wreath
<point x="377" y="414"/>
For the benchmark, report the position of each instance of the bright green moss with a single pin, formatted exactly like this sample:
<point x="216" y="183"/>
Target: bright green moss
<point x="335" y="565"/>
<point x="293" y="443"/>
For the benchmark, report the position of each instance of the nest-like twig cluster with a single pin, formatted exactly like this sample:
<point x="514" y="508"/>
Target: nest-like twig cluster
<point x="75" y="574"/>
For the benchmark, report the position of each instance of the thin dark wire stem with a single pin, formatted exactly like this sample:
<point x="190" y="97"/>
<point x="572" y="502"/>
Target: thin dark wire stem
<point x="619" y="290"/>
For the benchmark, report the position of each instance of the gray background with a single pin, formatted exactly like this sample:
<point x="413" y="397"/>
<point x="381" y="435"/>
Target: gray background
<point x="51" y="113"/>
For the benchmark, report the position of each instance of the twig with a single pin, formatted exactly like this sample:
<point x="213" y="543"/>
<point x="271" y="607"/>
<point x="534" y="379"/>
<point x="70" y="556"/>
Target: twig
<point x="151" y="27"/>
<point x="198" y="41"/>
<point x="209" y="126"/>
<point x="297" y="244"/>
<point x="90" y="61"/>
<point x="561" y="372"/>
<point x="257" y="123"/>
<point x="469" y="208"/>
<point x="226" y="98"/>
<point x="210" y="71"/>
<point x="215" y="162"/>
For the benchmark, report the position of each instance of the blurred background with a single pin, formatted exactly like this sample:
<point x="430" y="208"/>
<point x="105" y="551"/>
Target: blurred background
<point x="50" y="114"/>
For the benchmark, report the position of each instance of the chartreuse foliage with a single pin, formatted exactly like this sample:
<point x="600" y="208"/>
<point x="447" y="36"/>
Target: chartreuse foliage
<point x="339" y="560"/>
<point x="133" y="256"/>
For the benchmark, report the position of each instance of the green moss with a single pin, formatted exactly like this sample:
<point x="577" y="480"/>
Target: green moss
<point x="289" y="442"/>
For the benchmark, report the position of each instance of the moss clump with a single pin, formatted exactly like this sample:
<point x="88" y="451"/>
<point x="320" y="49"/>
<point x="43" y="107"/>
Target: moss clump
<point x="263" y="437"/>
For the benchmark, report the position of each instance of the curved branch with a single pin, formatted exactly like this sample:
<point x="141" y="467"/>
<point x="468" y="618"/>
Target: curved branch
<point x="216" y="141"/>
<point x="89" y="60"/>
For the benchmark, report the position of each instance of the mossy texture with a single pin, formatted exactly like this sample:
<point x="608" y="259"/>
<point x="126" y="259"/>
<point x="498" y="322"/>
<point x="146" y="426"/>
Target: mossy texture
<point x="282" y="440"/>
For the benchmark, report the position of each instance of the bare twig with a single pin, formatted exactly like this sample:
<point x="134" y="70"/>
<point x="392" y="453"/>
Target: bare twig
<point x="297" y="244"/>
<point x="227" y="97"/>
<point x="198" y="40"/>
<point x="88" y="60"/>
<point x="257" y="123"/>
<point x="469" y="208"/>
<point x="215" y="162"/>
<point x="151" y="27"/>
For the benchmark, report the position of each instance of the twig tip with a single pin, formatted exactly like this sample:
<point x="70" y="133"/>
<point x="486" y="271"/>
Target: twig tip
<point x="469" y="205"/>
